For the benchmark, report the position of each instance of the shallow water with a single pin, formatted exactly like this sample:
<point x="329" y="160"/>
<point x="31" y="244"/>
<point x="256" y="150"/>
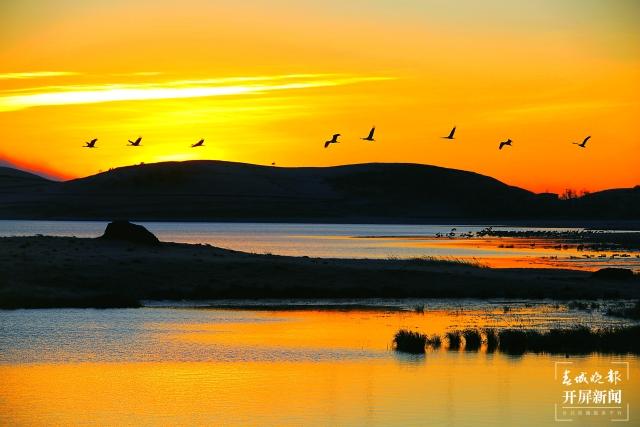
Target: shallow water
<point x="351" y="241"/>
<point x="186" y="366"/>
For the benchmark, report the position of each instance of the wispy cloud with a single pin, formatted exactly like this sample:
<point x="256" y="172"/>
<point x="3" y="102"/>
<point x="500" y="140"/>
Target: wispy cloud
<point x="90" y="94"/>
<point x="139" y="73"/>
<point x="36" y="75"/>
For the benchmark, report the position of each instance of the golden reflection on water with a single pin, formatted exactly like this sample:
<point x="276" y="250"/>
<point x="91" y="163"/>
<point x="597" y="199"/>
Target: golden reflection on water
<point x="353" y="329"/>
<point x="283" y="388"/>
<point x="443" y="388"/>
<point x="521" y="252"/>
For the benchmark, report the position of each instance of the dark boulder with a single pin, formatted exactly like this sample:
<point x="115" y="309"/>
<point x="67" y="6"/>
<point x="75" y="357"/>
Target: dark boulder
<point x="127" y="232"/>
<point x="613" y="274"/>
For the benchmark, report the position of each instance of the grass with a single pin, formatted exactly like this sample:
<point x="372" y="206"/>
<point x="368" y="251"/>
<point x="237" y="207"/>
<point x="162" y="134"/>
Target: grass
<point x="472" y="339"/>
<point x="580" y="340"/>
<point x="455" y="340"/>
<point x="492" y="340"/>
<point x="577" y="305"/>
<point x="409" y="342"/>
<point x="632" y="312"/>
<point x="447" y="261"/>
<point x="419" y="308"/>
<point x="434" y="341"/>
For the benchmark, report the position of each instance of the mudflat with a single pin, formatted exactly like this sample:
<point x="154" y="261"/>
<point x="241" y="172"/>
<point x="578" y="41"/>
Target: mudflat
<point x="79" y="272"/>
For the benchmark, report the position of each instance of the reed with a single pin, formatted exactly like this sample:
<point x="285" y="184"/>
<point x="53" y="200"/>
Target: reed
<point x="472" y="339"/>
<point x="579" y="340"/>
<point x="454" y="339"/>
<point x="574" y="341"/>
<point x="434" y="341"/>
<point x="632" y="312"/>
<point x="409" y="342"/>
<point x="419" y="308"/>
<point x="492" y="340"/>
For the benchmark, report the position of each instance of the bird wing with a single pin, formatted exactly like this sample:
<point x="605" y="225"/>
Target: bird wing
<point x="335" y="137"/>
<point x="501" y="145"/>
<point x="452" y="132"/>
<point x="326" y="144"/>
<point x="586" y="139"/>
<point x="373" y="129"/>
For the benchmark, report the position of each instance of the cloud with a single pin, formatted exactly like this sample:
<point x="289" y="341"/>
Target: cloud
<point x="36" y="75"/>
<point x="90" y="94"/>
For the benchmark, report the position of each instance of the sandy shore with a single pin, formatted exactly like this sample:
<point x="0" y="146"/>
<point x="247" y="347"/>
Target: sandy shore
<point x="67" y="272"/>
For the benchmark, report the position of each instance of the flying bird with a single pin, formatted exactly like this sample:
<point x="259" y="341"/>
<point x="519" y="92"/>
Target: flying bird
<point x="370" y="137"/>
<point x="135" y="143"/>
<point x="450" y="136"/>
<point x="91" y="144"/>
<point x="333" y="140"/>
<point x="503" y="143"/>
<point x="583" y="144"/>
<point x="198" y="144"/>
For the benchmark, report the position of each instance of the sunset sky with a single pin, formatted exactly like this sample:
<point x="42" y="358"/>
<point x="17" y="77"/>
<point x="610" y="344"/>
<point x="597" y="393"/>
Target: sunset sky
<point x="270" y="81"/>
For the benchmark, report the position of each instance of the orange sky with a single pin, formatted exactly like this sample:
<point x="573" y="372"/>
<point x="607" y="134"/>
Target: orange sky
<point x="270" y="81"/>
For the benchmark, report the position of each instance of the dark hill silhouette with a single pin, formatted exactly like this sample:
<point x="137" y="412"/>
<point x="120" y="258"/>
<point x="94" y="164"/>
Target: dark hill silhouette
<point x="216" y="190"/>
<point x="15" y="178"/>
<point x="617" y="203"/>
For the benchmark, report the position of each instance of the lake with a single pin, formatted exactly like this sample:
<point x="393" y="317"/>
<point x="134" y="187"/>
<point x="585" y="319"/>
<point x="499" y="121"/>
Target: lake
<point x="189" y="366"/>
<point x="353" y="241"/>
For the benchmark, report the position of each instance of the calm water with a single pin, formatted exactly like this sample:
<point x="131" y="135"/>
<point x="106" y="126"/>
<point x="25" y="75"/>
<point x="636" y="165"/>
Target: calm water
<point x="178" y="366"/>
<point x="343" y="241"/>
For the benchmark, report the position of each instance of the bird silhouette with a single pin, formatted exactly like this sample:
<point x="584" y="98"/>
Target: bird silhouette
<point x="135" y="143"/>
<point x="450" y="136"/>
<point x="503" y="143"/>
<point x="91" y="144"/>
<point x="583" y="144"/>
<point x="370" y="137"/>
<point x="333" y="140"/>
<point x="198" y="144"/>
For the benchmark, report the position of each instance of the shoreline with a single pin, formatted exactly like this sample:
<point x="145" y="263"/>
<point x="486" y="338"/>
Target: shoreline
<point x="568" y="223"/>
<point x="91" y="272"/>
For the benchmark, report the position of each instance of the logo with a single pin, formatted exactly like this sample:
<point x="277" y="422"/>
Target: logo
<point x="594" y="393"/>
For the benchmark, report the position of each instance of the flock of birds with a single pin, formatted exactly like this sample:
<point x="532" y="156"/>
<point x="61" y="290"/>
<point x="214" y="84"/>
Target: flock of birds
<point x="136" y="143"/>
<point x="333" y="140"/>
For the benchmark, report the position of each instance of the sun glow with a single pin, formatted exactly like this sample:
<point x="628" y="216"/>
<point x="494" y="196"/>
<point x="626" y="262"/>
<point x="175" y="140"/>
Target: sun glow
<point x="267" y="82"/>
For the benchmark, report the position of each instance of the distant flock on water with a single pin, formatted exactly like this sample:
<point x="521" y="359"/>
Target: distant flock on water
<point x="333" y="140"/>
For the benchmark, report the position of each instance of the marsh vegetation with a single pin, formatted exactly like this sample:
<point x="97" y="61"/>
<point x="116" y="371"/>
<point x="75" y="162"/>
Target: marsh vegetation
<point x="570" y="341"/>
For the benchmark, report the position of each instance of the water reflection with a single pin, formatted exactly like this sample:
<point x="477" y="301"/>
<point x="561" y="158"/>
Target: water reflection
<point x="182" y="334"/>
<point x="356" y="241"/>
<point x="307" y="367"/>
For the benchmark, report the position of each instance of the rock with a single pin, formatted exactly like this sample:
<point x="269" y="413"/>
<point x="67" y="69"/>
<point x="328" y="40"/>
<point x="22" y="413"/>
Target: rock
<point x="127" y="232"/>
<point x="611" y="273"/>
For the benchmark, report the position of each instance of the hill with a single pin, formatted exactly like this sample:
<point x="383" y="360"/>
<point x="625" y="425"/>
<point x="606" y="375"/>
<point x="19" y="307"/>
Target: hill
<point x="216" y="190"/>
<point x="11" y="178"/>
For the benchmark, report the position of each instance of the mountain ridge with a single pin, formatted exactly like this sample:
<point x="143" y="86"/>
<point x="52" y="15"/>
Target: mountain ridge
<point x="220" y="190"/>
